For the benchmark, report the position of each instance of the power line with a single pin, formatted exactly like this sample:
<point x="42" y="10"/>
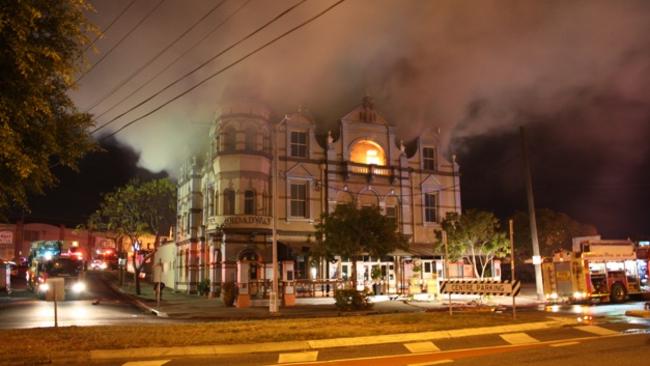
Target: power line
<point x="276" y="18"/>
<point x="109" y="25"/>
<point x="121" y="40"/>
<point x="227" y="67"/>
<point x="152" y="59"/>
<point x="169" y="65"/>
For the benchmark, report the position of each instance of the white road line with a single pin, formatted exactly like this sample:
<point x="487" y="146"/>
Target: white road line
<point x="518" y="338"/>
<point x="594" y="329"/>
<point x="418" y="347"/>
<point x="298" y="357"/>
<point x="146" y="363"/>
<point x="430" y="363"/>
<point x="564" y="344"/>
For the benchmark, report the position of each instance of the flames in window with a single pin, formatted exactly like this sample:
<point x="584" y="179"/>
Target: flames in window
<point x="367" y="152"/>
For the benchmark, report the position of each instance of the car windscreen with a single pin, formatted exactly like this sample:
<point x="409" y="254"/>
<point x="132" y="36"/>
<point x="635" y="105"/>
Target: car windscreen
<point x="63" y="267"/>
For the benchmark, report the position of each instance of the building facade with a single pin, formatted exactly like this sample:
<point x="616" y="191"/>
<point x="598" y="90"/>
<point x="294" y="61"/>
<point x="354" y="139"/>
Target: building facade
<point x="225" y="198"/>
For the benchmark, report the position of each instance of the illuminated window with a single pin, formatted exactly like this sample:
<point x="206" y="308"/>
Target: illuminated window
<point x="429" y="158"/>
<point x="249" y="203"/>
<point x="299" y="144"/>
<point x="430" y="207"/>
<point x="299" y="199"/>
<point x="391" y="212"/>
<point x="367" y="152"/>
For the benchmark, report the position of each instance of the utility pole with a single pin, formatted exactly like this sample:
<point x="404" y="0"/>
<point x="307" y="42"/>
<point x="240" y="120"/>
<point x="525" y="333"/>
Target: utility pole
<point x="273" y="298"/>
<point x="512" y="267"/>
<point x="537" y="259"/>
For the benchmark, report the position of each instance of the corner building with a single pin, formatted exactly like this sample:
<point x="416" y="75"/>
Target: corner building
<point x="225" y="200"/>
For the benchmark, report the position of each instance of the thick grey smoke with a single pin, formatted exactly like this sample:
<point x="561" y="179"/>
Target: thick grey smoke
<point x="469" y="67"/>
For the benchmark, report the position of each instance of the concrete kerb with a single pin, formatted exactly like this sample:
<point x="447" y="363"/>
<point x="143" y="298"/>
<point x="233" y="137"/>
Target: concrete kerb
<point x="217" y="350"/>
<point x="135" y="301"/>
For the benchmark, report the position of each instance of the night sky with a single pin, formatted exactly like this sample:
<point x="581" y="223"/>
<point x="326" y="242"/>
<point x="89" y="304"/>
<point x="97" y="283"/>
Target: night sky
<point x="576" y="74"/>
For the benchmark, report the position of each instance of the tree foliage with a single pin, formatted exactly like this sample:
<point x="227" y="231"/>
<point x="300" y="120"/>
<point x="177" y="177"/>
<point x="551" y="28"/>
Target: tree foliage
<point x="474" y="236"/>
<point x="554" y="231"/>
<point x="41" y="48"/>
<point x="136" y="209"/>
<point x="350" y="232"/>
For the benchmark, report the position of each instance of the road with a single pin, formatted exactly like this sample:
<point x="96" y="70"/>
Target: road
<point x="23" y="310"/>
<point x="593" y="345"/>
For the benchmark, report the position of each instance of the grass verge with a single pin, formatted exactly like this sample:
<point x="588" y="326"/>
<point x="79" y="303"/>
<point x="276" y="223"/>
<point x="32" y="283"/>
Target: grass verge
<point x="47" y="343"/>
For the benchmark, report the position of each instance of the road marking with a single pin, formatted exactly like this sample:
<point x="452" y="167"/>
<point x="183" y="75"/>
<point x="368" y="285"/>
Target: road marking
<point x="430" y="363"/>
<point x="518" y="338"/>
<point x="418" y="347"/>
<point x="298" y="357"/>
<point x="146" y="363"/>
<point x="563" y="344"/>
<point x="594" y="329"/>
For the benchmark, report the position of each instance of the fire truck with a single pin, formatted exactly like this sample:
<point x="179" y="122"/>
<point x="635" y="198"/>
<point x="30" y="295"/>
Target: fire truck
<point x="47" y="259"/>
<point x="595" y="270"/>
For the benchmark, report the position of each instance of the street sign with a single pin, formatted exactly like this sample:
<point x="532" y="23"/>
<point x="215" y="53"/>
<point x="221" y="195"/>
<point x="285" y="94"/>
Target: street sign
<point x="481" y="287"/>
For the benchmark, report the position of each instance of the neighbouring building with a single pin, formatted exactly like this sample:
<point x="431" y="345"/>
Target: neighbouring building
<point x="225" y="199"/>
<point x="16" y="239"/>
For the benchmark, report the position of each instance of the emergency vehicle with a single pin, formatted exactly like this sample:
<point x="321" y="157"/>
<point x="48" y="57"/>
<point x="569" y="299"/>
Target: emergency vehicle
<point x="595" y="270"/>
<point x="48" y="260"/>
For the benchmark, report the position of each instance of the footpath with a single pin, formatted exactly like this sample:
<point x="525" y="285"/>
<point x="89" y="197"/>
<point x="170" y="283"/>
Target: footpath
<point x="182" y="306"/>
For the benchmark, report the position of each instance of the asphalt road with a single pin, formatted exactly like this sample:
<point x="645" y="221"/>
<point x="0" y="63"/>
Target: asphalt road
<point x="99" y="306"/>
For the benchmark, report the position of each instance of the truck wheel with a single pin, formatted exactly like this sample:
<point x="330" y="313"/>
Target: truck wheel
<point x="618" y="293"/>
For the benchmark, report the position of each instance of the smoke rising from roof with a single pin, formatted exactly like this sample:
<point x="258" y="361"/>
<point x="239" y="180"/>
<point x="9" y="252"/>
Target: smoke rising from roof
<point x="581" y="69"/>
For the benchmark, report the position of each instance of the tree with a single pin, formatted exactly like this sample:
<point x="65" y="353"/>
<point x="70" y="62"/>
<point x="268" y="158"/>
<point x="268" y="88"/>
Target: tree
<point x="554" y="231"/>
<point x="350" y="232"/>
<point x="137" y="209"/>
<point x="474" y="236"/>
<point x="41" y="49"/>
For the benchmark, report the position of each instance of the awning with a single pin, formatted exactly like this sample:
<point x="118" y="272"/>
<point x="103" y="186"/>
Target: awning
<point x="422" y="250"/>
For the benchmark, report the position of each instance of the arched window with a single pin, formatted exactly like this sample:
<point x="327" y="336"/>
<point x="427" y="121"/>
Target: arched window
<point x="251" y="139"/>
<point x="367" y="152"/>
<point x="249" y="202"/>
<point x="229" y="139"/>
<point x="228" y="202"/>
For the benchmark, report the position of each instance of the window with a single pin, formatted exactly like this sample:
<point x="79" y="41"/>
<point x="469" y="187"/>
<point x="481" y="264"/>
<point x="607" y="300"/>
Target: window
<point x="299" y="144"/>
<point x="210" y="203"/>
<point x="391" y="212"/>
<point x="229" y="139"/>
<point x="367" y="152"/>
<point x="251" y="144"/>
<point x="249" y="203"/>
<point x="299" y="199"/>
<point x="430" y="207"/>
<point x="429" y="158"/>
<point x="229" y="202"/>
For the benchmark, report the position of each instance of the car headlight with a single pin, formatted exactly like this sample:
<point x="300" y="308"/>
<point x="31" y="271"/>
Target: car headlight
<point x="103" y="265"/>
<point x="79" y="287"/>
<point x="579" y="295"/>
<point x="43" y="287"/>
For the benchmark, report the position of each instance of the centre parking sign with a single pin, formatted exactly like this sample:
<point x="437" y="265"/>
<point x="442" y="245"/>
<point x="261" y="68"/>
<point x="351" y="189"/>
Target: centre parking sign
<point x="480" y="287"/>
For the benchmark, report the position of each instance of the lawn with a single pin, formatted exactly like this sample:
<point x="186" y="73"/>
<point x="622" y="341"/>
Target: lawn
<point x="32" y="345"/>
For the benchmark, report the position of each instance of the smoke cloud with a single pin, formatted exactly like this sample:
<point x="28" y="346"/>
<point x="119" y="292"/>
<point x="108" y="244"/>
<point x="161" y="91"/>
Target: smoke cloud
<point x="580" y="69"/>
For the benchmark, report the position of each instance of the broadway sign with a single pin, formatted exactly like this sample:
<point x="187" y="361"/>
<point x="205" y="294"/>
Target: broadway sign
<point x="480" y="287"/>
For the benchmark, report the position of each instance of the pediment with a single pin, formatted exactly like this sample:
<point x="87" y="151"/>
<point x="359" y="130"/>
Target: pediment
<point x="431" y="182"/>
<point x="299" y="170"/>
